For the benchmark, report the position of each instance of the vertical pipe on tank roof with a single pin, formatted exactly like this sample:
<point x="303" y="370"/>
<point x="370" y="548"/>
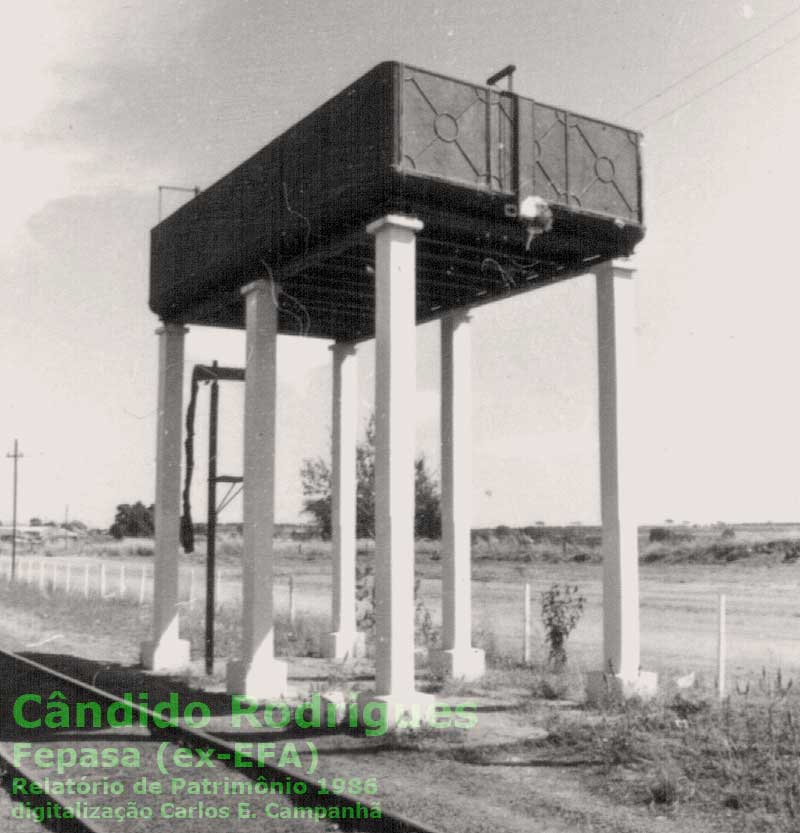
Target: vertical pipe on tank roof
<point x="257" y="673"/>
<point x="166" y="650"/>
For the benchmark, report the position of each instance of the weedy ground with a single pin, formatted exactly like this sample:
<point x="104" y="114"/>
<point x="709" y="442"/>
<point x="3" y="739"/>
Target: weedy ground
<point x="685" y="761"/>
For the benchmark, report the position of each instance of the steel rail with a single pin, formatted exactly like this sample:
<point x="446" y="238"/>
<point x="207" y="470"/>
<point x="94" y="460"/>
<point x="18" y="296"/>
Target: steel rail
<point x="194" y="738"/>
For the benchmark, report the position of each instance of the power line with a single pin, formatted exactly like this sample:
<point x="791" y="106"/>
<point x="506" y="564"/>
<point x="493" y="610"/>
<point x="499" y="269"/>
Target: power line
<point x="713" y="61"/>
<point x="725" y="80"/>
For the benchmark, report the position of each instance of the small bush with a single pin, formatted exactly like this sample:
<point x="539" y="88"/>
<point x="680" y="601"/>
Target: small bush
<point x="365" y="598"/>
<point x="562" y="606"/>
<point x="301" y="639"/>
<point x="559" y="685"/>
<point x="665" y="785"/>
<point x="659" y="534"/>
<point x="667" y="535"/>
<point x="791" y="553"/>
<point x="486" y="639"/>
<point x="424" y="629"/>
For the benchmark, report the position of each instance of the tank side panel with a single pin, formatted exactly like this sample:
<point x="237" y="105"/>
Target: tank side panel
<point x="603" y="164"/>
<point x="456" y="131"/>
<point x="464" y="135"/>
<point x="548" y="153"/>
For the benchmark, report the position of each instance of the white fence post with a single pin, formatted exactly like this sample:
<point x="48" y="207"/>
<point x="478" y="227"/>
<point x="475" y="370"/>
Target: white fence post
<point x="68" y="579"/>
<point x="526" y="623"/>
<point x="721" y="647"/>
<point x="86" y="580"/>
<point x="122" y="587"/>
<point x="142" y="585"/>
<point x="291" y="602"/>
<point x="102" y="579"/>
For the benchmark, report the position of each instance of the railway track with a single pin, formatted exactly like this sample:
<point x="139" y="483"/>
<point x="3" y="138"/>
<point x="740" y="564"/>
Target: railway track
<point x="71" y="802"/>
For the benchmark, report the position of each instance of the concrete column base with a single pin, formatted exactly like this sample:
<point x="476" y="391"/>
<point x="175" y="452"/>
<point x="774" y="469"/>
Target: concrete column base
<point x="344" y="645"/>
<point x="459" y="663"/>
<point x="395" y="711"/>
<point x="260" y="680"/>
<point x="602" y="687"/>
<point x="168" y="654"/>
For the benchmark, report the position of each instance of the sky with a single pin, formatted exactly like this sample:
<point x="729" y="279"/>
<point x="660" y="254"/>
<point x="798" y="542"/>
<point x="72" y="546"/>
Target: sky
<point x="102" y="103"/>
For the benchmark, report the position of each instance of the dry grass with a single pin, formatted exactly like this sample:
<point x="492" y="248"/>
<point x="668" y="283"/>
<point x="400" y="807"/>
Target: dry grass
<point x="72" y="613"/>
<point x="740" y="758"/>
<point x="719" y="550"/>
<point x="299" y="639"/>
<point x="685" y="755"/>
<point x="124" y="548"/>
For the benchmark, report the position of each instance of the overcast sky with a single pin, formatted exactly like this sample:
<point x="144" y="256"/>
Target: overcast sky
<point x="102" y="102"/>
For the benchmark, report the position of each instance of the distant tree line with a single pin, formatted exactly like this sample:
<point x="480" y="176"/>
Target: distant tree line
<point x="72" y="526"/>
<point x="133" y="520"/>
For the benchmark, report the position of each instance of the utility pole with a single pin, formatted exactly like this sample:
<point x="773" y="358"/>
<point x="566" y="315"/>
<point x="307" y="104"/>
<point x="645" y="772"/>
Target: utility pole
<point x="211" y="525"/>
<point x="16" y="455"/>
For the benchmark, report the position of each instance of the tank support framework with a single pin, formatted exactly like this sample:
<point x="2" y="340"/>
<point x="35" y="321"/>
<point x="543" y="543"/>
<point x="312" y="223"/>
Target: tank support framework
<point x="257" y="672"/>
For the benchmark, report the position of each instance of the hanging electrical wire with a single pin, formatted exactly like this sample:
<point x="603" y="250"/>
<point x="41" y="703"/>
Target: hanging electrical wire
<point x="295" y="213"/>
<point x="722" y="81"/>
<point x="717" y="59"/>
<point x="508" y="280"/>
<point x="284" y="302"/>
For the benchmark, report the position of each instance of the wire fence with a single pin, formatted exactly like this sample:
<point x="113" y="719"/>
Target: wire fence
<point x="683" y="625"/>
<point x="97" y="578"/>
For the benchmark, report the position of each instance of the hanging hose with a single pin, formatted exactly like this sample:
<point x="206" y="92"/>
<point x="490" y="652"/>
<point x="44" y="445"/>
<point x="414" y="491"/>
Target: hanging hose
<point x="187" y="527"/>
<point x="201" y="373"/>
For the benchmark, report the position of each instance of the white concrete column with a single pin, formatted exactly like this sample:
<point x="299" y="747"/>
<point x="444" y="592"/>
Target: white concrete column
<point x="165" y="650"/>
<point x="457" y="658"/>
<point x="345" y="640"/>
<point x="395" y="392"/>
<point x="616" y="337"/>
<point x="257" y="673"/>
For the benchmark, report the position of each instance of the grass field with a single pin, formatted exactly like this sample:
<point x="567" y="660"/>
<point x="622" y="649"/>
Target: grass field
<point x="680" y="580"/>
<point x="684" y="762"/>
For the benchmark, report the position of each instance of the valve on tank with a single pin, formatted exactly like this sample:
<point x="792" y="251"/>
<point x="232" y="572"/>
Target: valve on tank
<point x="537" y="216"/>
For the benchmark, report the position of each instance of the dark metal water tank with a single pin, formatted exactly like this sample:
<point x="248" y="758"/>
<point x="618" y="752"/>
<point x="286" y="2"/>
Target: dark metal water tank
<point x="460" y="156"/>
